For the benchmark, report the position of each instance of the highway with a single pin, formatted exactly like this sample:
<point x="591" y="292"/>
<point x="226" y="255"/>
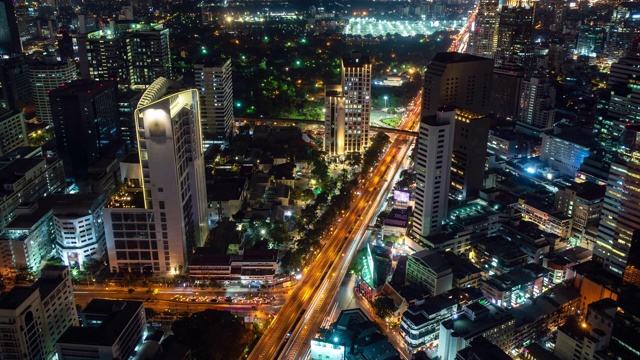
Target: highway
<point x="302" y="314"/>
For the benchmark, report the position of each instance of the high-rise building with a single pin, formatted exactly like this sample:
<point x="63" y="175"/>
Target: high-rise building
<point x="459" y="80"/>
<point x="356" y="89"/>
<point x="515" y="32"/>
<point x="13" y="131"/>
<point x="507" y="85"/>
<point x="334" y="123"/>
<point x="85" y="122"/>
<point x="590" y="40"/>
<point x="483" y="39"/>
<point x="214" y="82"/>
<point x="537" y="106"/>
<point x="171" y="206"/>
<point x="149" y="57"/>
<point x="103" y="57"/>
<point x="15" y="86"/>
<point x="47" y="76"/>
<point x="9" y="34"/>
<point x="433" y="169"/>
<point x="127" y="104"/>
<point x="620" y="220"/>
<point x="33" y="318"/>
<point x="469" y="154"/>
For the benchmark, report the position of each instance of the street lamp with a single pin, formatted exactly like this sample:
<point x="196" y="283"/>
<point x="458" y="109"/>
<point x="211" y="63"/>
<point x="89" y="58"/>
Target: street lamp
<point x="385" y="100"/>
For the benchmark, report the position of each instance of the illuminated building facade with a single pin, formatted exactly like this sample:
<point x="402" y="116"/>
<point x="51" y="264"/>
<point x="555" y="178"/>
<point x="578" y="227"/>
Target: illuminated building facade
<point x="515" y="32"/>
<point x="483" y="39"/>
<point x="537" y="106"/>
<point x="170" y="209"/>
<point x="356" y="89"/>
<point x="47" y="76"/>
<point x="432" y="167"/>
<point x="103" y="57"/>
<point x="149" y="56"/>
<point x="334" y="120"/>
<point x="213" y="80"/>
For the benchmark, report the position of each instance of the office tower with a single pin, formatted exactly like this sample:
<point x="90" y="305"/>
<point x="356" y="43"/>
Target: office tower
<point x="110" y="329"/>
<point x="171" y="206"/>
<point x="483" y="39"/>
<point x="85" y="122"/>
<point x="33" y="318"/>
<point x="15" y="86"/>
<point x="459" y="80"/>
<point x="515" y="33"/>
<point x="469" y="154"/>
<point x="46" y="76"/>
<point x="9" y="34"/>
<point x="618" y="39"/>
<point x="356" y="89"/>
<point x="537" y="106"/>
<point x="149" y="56"/>
<point x="103" y="57"/>
<point x="507" y="85"/>
<point x="433" y="169"/>
<point x="213" y="80"/>
<point x="127" y="104"/>
<point x="13" y="131"/>
<point x="590" y="40"/>
<point x="79" y="229"/>
<point x="334" y="123"/>
<point x="620" y="221"/>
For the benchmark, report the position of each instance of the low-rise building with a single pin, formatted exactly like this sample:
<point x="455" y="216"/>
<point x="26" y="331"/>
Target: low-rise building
<point x="515" y="287"/>
<point x="547" y="218"/>
<point x="248" y="265"/>
<point x="13" y="131"/>
<point x="431" y="271"/>
<point x="110" y="330"/>
<point x="420" y="325"/>
<point x="495" y="324"/>
<point x="482" y="349"/>
<point x="225" y="197"/>
<point x="583" y="203"/>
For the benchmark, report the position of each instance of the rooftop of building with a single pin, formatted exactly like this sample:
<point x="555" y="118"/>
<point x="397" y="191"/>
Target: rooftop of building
<point x="537" y="352"/>
<point x="420" y="312"/>
<point x="594" y="271"/>
<point x="576" y="254"/>
<point x="574" y="137"/>
<point x="126" y="198"/>
<point x="589" y="191"/>
<point x="469" y="329"/>
<point x="46" y="286"/>
<point x="205" y="256"/>
<point x="471" y="212"/>
<point x="433" y="260"/>
<point x="225" y="189"/>
<point x="12" y="299"/>
<point x="17" y="168"/>
<point x="574" y="329"/>
<point x="26" y="221"/>
<point x="355" y="60"/>
<point x="76" y="204"/>
<point x="81" y="86"/>
<point x="482" y="349"/>
<point x="456" y="57"/>
<point x="117" y="315"/>
<point x="461" y="267"/>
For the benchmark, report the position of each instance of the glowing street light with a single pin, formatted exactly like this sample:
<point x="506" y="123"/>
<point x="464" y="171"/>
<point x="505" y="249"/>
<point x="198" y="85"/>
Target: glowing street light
<point x="385" y="100"/>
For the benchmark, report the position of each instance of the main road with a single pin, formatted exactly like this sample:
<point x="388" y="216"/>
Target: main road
<point x="302" y="314"/>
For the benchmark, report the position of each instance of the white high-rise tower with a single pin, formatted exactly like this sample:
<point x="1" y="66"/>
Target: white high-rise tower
<point x="356" y="87"/>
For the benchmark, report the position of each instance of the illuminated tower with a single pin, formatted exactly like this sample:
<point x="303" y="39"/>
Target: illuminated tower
<point x="433" y="169"/>
<point x="213" y="80"/>
<point x="171" y="204"/>
<point x="620" y="222"/>
<point x="334" y="124"/>
<point x="515" y="32"/>
<point x="483" y="40"/>
<point x="356" y="86"/>
<point x="537" y="106"/>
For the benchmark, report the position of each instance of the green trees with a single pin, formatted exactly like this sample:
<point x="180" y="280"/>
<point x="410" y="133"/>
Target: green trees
<point x="384" y="306"/>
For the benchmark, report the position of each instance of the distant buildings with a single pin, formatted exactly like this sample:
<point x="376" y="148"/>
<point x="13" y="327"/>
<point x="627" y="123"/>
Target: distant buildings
<point x="10" y="42"/>
<point x="483" y="39"/>
<point x="537" y="106"/>
<point x="356" y="89"/>
<point x="47" y="76"/>
<point x="149" y="56"/>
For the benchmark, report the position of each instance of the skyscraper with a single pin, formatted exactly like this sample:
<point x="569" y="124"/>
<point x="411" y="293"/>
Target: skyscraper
<point x="85" y="123"/>
<point x="46" y="76"/>
<point x="620" y="221"/>
<point x="515" y="32"/>
<point x="433" y="169"/>
<point x="148" y="54"/>
<point x="334" y="124"/>
<point x="171" y="206"/>
<point x="537" y="106"/>
<point x="15" y="92"/>
<point x="469" y="154"/>
<point x="356" y="89"/>
<point x="507" y="85"/>
<point x="483" y="39"/>
<point x="459" y="80"/>
<point x="9" y="35"/>
<point x="214" y="82"/>
<point x="103" y="57"/>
